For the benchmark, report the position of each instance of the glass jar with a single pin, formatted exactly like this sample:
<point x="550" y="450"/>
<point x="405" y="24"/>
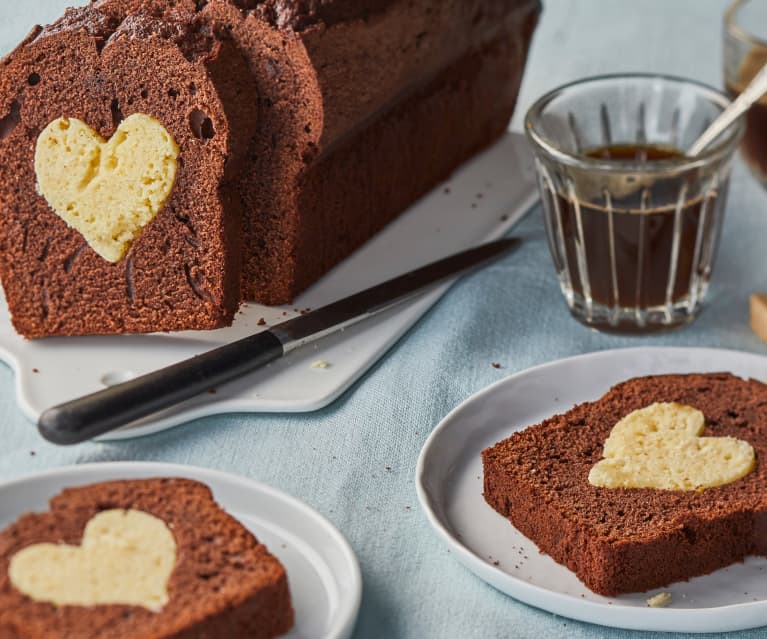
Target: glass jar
<point x="633" y="240"/>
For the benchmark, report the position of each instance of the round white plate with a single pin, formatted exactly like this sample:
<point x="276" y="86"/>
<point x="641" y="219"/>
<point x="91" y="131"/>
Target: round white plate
<point x="449" y="485"/>
<point x="323" y="572"/>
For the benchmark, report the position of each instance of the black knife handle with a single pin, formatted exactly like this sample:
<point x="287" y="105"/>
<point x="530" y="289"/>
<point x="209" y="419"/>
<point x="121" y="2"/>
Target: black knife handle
<point x="87" y="417"/>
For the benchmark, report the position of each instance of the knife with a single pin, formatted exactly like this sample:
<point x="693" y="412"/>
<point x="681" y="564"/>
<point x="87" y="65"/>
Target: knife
<point x="98" y="413"/>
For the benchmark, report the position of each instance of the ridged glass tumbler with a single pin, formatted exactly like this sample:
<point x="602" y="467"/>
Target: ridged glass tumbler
<point x="633" y="241"/>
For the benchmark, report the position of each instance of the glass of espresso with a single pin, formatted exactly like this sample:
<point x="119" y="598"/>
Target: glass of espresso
<point x="745" y="53"/>
<point x="632" y="223"/>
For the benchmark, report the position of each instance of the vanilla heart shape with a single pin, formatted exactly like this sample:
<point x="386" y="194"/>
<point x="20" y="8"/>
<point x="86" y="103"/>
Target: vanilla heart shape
<point x="107" y="190"/>
<point x="126" y="557"/>
<point x="660" y="447"/>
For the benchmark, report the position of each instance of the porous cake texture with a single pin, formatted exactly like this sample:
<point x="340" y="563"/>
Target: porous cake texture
<point x="620" y="540"/>
<point x="224" y="584"/>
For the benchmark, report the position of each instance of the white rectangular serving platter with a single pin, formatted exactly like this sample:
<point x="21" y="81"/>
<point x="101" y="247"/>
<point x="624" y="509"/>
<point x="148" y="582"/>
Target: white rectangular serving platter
<point x="479" y="203"/>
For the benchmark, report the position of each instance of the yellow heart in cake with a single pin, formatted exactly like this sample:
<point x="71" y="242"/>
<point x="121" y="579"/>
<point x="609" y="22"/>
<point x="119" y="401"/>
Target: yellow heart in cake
<point x="107" y="190"/>
<point x="126" y="557"/>
<point x="660" y="447"/>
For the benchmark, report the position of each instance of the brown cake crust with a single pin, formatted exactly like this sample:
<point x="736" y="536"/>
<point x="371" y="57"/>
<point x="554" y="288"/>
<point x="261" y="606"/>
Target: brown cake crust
<point x="300" y="14"/>
<point x="382" y="97"/>
<point x="225" y="584"/>
<point x="183" y="272"/>
<point x="293" y="15"/>
<point x="629" y="540"/>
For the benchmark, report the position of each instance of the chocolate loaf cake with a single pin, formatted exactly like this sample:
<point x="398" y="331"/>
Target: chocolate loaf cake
<point x="182" y="269"/>
<point x="362" y="108"/>
<point x="620" y="540"/>
<point x="407" y="96"/>
<point x="398" y="95"/>
<point x="224" y="583"/>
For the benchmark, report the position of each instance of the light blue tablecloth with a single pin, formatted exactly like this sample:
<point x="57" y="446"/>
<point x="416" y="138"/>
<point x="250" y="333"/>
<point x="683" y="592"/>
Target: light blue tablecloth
<point x="338" y="459"/>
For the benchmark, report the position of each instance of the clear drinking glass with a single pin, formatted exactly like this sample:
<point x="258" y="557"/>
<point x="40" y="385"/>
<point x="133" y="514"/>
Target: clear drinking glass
<point x="633" y="241"/>
<point x="745" y="53"/>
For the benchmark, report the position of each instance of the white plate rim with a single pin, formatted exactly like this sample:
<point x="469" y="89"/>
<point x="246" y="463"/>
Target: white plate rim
<point x="654" y="619"/>
<point x="346" y="618"/>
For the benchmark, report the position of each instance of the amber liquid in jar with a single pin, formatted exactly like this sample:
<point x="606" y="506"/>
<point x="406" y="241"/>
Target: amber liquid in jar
<point x="629" y="258"/>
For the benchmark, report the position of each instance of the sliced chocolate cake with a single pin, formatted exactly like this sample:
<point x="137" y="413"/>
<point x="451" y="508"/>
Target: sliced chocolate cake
<point x="684" y="499"/>
<point x="194" y="570"/>
<point x="121" y="143"/>
<point x="362" y="108"/>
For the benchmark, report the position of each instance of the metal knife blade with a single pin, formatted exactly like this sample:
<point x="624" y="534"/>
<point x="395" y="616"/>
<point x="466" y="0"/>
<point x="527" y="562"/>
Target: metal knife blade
<point x="98" y="413"/>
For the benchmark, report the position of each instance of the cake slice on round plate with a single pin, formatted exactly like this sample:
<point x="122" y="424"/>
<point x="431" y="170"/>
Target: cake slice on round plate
<point x="144" y="559"/>
<point x="661" y="480"/>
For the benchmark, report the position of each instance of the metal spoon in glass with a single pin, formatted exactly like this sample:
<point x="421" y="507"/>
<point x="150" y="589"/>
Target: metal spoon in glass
<point x="755" y="90"/>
